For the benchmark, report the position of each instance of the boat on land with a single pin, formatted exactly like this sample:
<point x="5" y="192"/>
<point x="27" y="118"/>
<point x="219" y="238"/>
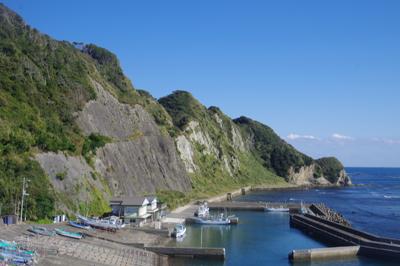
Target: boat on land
<point x="202" y="210"/>
<point x="179" y="231"/>
<point x="13" y="254"/>
<point x="41" y="231"/>
<point x="79" y="225"/>
<point x="113" y="223"/>
<point x="66" y="233"/>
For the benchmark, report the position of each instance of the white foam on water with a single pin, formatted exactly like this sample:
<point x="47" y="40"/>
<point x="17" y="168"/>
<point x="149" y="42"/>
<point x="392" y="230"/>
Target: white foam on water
<point x="391" y="197"/>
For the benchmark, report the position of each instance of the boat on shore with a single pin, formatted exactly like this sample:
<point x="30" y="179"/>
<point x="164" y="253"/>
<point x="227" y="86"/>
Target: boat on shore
<point x="79" y="225"/>
<point x="113" y="223"/>
<point x="69" y="234"/>
<point x="179" y="231"/>
<point x="41" y="231"/>
<point x="202" y="210"/>
<point x="13" y="254"/>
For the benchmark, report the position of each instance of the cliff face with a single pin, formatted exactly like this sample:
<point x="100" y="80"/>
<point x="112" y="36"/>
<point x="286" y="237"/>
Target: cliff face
<point x="72" y="123"/>
<point x="207" y="138"/>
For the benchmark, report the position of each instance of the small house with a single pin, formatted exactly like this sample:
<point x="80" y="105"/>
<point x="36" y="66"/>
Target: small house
<point x="152" y="208"/>
<point x="10" y="219"/>
<point x="132" y="210"/>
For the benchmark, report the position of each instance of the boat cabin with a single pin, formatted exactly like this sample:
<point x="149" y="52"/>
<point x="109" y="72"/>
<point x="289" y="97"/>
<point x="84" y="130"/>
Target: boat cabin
<point x="132" y="210"/>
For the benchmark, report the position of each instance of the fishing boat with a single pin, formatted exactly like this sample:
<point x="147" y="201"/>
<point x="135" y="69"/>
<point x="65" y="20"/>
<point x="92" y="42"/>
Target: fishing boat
<point x="66" y="233"/>
<point x="209" y="220"/>
<point x="202" y="211"/>
<point x="276" y="209"/>
<point x="179" y="231"/>
<point x="79" y="225"/>
<point x="113" y="223"/>
<point x="41" y="231"/>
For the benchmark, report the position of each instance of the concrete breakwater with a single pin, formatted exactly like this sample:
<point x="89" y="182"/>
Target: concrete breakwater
<point x="324" y="253"/>
<point x="323" y="211"/>
<point x="339" y="235"/>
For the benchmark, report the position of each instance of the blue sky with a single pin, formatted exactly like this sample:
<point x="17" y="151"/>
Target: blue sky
<point x="323" y="74"/>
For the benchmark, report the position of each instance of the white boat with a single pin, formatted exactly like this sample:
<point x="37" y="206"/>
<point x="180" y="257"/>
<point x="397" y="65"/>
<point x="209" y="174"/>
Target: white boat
<point x="220" y="220"/>
<point x="202" y="211"/>
<point x="179" y="231"/>
<point x="276" y="209"/>
<point x="111" y="223"/>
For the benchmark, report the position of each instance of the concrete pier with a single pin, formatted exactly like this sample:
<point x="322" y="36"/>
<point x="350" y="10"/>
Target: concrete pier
<point x="323" y="253"/>
<point x="205" y="253"/>
<point x="253" y="206"/>
<point x="339" y="235"/>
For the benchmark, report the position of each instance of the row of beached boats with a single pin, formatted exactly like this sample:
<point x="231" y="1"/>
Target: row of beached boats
<point x="39" y="230"/>
<point x="110" y="224"/>
<point x="13" y="254"/>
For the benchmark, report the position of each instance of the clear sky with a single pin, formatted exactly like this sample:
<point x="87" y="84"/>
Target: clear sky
<point x="324" y="74"/>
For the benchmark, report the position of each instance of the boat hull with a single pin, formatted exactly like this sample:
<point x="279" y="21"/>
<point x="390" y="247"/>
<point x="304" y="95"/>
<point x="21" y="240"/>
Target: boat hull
<point x="69" y="234"/>
<point x="80" y="226"/>
<point x="198" y="220"/>
<point x="277" y="209"/>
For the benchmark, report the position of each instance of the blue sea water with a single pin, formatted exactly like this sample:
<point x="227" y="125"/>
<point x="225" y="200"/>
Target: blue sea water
<point x="372" y="204"/>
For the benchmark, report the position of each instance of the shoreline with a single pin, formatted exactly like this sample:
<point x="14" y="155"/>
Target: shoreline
<point x="238" y="192"/>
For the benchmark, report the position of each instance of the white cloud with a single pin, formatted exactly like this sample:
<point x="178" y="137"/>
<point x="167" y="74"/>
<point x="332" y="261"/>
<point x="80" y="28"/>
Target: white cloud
<point x="341" y="137"/>
<point x="293" y="136"/>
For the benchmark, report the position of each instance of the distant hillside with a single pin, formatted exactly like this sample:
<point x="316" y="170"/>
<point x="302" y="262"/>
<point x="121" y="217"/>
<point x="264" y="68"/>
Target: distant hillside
<point x="74" y="125"/>
<point x="241" y="147"/>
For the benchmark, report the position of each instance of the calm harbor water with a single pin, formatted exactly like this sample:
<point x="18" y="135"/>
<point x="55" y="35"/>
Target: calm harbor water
<point x="373" y="204"/>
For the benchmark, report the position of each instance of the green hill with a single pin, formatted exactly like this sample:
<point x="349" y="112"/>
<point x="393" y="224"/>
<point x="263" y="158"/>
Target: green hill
<point x="73" y="124"/>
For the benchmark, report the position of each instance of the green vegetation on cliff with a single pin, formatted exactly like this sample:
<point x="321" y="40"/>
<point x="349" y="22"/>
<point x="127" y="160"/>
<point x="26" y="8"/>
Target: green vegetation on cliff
<point x="221" y="165"/>
<point x="44" y="83"/>
<point x="276" y="154"/>
<point x="330" y="168"/>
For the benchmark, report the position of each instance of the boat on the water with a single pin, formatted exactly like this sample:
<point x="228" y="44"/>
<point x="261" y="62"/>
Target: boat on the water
<point x="209" y="220"/>
<point x="179" y="231"/>
<point x="79" y="225"/>
<point x="41" y="231"/>
<point x="202" y="216"/>
<point x="66" y="233"/>
<point x="112" y="223"/>
<point x="276" y="209"/>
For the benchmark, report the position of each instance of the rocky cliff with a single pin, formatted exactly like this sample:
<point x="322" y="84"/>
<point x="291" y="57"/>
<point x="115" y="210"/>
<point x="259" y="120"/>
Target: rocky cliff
<point x="72" y="123"/>
<point x="208" y="138"/>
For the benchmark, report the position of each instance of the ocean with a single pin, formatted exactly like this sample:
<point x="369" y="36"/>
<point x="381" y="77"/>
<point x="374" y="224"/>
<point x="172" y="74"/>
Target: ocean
<point x="372" y="204"/>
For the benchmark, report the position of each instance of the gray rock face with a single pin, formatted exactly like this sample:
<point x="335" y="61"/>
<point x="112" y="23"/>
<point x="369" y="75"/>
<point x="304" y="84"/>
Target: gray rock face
<point x="141" y="159"/>
<point x="305" y="176"/>
<point x="142" y="166"/>
<point x="108" y="117"/>
<point x="71" y="175"/>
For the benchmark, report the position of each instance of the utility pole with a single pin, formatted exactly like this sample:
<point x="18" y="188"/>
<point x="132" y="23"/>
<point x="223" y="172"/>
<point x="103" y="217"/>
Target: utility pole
<point x="24" y="187"/>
